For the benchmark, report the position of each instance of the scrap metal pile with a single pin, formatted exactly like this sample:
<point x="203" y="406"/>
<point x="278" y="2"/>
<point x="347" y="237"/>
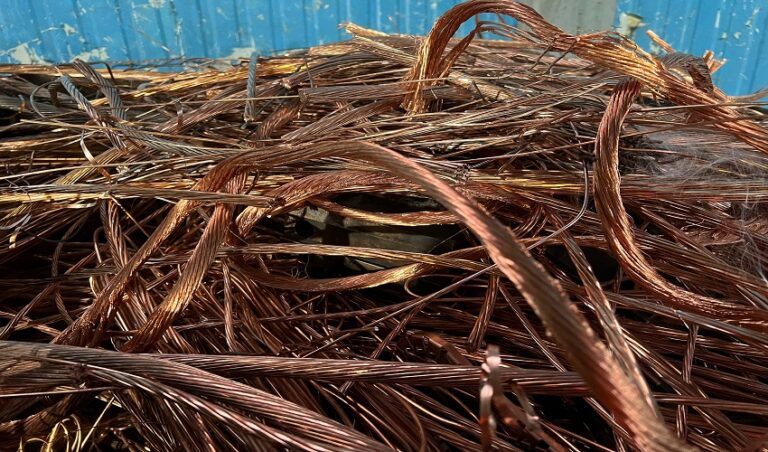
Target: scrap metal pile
<point x="545" y="241"/>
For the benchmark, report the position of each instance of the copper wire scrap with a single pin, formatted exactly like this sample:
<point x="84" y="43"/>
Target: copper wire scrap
<point x="536" y="241"/>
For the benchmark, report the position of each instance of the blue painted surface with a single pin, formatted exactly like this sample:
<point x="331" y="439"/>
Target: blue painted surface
<point x="132" y="30"/>
<point x="733" y="29"/>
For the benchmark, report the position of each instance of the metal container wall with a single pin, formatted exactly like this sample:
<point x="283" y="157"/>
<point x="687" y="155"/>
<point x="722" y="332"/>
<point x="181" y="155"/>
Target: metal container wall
<point x="121" y="30"/>
<point x="34" y="31"/>
<point x="735" y="29"/>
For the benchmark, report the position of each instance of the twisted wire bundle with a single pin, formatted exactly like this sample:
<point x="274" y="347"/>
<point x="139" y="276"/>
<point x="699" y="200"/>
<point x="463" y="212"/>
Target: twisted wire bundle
<point x="547" y="242"/>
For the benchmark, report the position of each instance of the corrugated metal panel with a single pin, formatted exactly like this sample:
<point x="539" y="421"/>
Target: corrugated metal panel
<point x="122" y="30"/>
<point x="734" y="29"/>
<point x="577" y="16"/>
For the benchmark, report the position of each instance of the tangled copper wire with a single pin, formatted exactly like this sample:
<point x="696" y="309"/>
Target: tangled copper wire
<point x="541" y="242"/>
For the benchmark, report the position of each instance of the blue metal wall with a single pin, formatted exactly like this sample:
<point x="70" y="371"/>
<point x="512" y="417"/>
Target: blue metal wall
<point x="734" y="29"/>
<point x="122" y="30"/>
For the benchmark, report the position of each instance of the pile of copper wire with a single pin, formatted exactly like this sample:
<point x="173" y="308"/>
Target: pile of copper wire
<point x="530" y="241"/>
